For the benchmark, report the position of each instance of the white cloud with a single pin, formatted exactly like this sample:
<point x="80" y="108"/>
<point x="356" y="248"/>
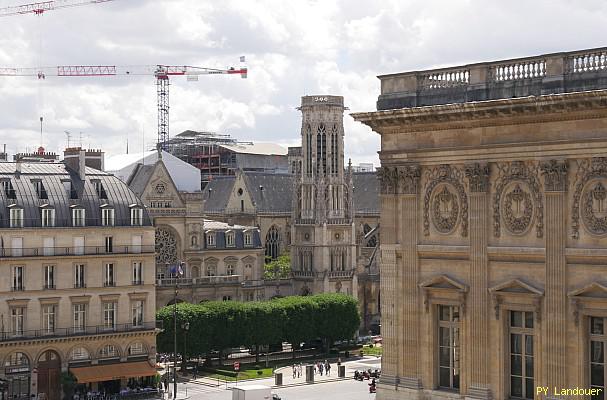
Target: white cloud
<point x="293" y="48"/>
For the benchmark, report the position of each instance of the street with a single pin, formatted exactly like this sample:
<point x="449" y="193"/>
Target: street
<point x="340" y="390"/>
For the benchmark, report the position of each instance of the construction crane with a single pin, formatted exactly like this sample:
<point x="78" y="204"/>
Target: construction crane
<point x="43" y="6"/>
<point x="160" y="72"/>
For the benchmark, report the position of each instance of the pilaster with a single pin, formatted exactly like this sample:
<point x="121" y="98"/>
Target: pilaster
<point x="409" y="305"/>
<point x="555" y="342"/>
<point x="478" y="297"/>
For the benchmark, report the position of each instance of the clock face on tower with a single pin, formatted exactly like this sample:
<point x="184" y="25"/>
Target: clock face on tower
<point x="160" y="188"/>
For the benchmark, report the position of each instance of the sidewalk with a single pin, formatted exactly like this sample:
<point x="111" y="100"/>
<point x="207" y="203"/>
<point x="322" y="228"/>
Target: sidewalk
<point x="351" y="365"/>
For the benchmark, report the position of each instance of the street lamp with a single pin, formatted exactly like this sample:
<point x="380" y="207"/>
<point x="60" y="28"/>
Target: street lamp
<point x="186" y="327"/>
<point x="176" y="270"/>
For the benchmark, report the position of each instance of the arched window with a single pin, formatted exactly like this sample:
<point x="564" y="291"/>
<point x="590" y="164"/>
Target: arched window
<point x="17" y="359"/>
<point x="194" y="241"/>
<point x="136" y="349"/>
<point x="166" y="247"/>
<point x="334" y="151"/>
<point x="308" y="151"/>
<point x="108" y="351"/>
<point x="272" y="243"/>
<point x="79" y="354"/>
<point x="211" y="269"/>
<point x="321" y="150"/>
<point x="195" y="271"/>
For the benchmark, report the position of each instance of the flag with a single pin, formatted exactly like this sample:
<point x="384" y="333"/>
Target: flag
<point x="242" y="58"/>
<point x="176" y="269"/>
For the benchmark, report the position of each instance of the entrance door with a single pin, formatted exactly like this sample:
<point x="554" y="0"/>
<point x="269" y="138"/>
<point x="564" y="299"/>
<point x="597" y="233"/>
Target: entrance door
<point x="49" y="371"/>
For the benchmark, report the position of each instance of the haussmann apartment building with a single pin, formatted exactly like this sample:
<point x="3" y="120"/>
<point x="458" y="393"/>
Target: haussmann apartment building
<point x="77" y="278"/>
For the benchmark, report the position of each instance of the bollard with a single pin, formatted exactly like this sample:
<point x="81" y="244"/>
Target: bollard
<point x="342" y="371"/>
<point x="278" y="379"/>
<point x="309" y="374"/>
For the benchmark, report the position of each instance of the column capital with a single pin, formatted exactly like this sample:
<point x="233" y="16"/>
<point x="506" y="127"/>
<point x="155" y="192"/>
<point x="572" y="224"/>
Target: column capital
<point x="388" y="180"/>
<point x="555" y="175"/>
<point x="478" y="177"/>
<point x="408" y="179"/>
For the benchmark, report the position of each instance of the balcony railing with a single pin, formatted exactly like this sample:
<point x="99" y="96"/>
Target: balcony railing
<point x="530" y="76"/>
<point x="68" y="222"/>
<point x="75" y="251"/>
<point x="339" y="221"/>
<point x="65" y="332"/>
<point x="303" y="274"/>
<point x="341" y="274"/>
<point x="203" y="281"/>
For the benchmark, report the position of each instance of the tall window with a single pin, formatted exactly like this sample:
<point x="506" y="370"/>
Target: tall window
<point x="136" y="216"/>
<point x="321" y="150"/>
<point x="109" y="244"/>
<point x="230" y="269"/>
<point x="137" y="313"/>
<point x="248" y="239"/>
<point x="308" y="151"/>
<point x="49" y="277"/>
<point x="211" y="269"/>
<point x="40" y="190"/>
<point x="109" y="275"/>
<point x="334" y="151"/>
<point x="137" y="273"/>
<point x="18" y="281"/>
<point x="107" y="217"/>
<point x="16" y="217"/>
<point x="48" y="318"/>
<point x="109" y="315"/>
<point x="17" y="320"/>
<point x="79" y="277"/>
<point x="78" y="245"/>
<point x="78" y="217"/>
<point x="272" y="243"/>
<point x="210" y="238"/>
<point x="230" y="242"/>
<point x="521" y="355"/>
<point x="48" y="217"/>
<point x="597" y="370"/>
<point x="448" y="347"/>
<point x="79" y="317"/>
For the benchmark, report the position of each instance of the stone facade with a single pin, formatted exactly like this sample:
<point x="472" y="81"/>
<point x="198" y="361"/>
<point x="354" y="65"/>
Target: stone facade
<point x="493" y="228"/>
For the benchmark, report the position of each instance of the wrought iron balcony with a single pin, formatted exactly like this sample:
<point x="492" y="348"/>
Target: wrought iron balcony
<point x="341" y="274"/>
<point x="202" y="281"/>
<point x="74" y="251"/>
<point x="83" y="331"/>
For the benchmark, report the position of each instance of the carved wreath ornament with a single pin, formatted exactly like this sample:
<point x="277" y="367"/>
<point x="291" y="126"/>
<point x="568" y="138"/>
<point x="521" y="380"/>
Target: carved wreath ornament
<point x="590" y="197"/>
<point x="445" y="198"/>
<point x="594" y="208"/>
<point x="517" y="210"/>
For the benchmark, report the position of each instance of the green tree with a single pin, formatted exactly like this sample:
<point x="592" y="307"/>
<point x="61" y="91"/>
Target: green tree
<point x="300" y="324"/>
<point x="337" y="317"/>
<point x="279" y="268"/>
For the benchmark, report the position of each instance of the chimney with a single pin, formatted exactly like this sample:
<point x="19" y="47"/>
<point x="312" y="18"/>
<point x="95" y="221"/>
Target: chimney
<point x="18" y="168"/>
<point x="74" y="159"/>
<point x="94" y="159"/>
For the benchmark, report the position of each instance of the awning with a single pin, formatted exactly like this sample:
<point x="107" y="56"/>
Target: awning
<point x="110" y="372"/>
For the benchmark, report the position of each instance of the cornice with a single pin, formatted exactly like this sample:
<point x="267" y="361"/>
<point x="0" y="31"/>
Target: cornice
<point x="554" y="107"/>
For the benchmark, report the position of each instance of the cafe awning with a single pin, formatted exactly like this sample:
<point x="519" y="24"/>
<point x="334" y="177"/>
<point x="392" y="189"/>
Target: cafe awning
<point x="110" y="372"/>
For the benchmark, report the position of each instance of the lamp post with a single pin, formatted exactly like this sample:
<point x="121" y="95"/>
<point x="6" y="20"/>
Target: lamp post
<point x="186" y="327"/>
<point x="175" y="338"/>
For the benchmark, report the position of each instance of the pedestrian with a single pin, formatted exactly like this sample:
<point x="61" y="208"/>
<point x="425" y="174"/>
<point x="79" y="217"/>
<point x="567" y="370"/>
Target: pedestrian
<point x="338" y="362"/>
<point x="294" y="371"/>
<point x="299" y="370"/>
<point x="320" y="368"/>
<point x="328" y="368"/>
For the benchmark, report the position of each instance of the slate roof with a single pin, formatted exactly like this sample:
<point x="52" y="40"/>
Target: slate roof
<point x="220" y="229"/>
<point x="140" y="178"/>
<point x="270" y="192"/>
<point x="54" y="178"/>
<point x="277" y="192"/>
<point x="366" y="192"/>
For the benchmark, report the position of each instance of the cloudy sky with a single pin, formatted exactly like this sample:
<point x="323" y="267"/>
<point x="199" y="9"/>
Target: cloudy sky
<point x="293" y="48"/>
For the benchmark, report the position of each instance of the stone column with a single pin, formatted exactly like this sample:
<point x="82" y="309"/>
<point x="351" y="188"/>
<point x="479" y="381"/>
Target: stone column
<point x="555" y="336"/>
<point x="477" y="343"/>
<point x="408" y="280"/>
<point x="389" y="301"/>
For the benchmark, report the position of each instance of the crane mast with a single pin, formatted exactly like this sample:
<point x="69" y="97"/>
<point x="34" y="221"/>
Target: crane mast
<point x="40" y="8"/>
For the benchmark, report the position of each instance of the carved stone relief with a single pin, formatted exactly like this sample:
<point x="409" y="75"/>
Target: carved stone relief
<point x="517" y="200"/>
<point x="590" y="197"/>
<point x="478" y="177"/>
<point x="446" y="198"/>
<point x="408" y="179"/>
<point x="388" y="178"/>
<point x="166" y="247"/>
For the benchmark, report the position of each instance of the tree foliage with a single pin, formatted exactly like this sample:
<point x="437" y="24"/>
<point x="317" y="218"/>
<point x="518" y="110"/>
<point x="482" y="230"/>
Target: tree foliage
<point x="219" y="325"/>
<point x="279" y="268"/>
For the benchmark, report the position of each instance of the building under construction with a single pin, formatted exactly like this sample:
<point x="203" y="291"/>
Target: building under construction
<point x="219" y="154"/>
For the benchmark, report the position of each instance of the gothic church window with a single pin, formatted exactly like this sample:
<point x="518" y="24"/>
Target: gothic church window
<point x="308" y="151"/>
<point x="166" y="247"/>
<point x="272" y="243"/>
<point x="334" y="151"/>
<point x="321" y="150"/>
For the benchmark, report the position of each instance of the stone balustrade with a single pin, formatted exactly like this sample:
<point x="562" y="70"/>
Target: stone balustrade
<point x="530" y="76"/>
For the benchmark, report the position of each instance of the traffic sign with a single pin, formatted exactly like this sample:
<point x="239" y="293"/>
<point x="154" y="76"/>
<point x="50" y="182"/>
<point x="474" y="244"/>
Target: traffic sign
<point x="236" y="366"/>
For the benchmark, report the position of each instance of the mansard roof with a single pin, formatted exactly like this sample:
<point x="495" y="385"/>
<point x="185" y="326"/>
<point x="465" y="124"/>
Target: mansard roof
<point x="276" y="195"/>
<point x="140" y="177"/>
<point x="54" y="178"/>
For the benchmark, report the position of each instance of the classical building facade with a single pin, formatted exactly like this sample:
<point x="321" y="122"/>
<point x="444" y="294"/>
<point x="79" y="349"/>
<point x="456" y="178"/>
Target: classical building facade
<point x="321" y="213"/>
<point x="219" y="257"/>
<point x="493" y="228"/>
<point x="77" y="284"/>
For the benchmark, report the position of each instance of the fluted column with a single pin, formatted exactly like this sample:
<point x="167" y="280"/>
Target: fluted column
<point x="389" y="301"/>
<point x="477" y="344"/>
<point x="409" y="305"/>
<point x="555" y="339"/>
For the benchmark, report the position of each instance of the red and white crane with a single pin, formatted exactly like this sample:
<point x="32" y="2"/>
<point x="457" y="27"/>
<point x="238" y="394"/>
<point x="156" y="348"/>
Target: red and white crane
<point x="160" y="72"/>
<point x="43" y="6"/>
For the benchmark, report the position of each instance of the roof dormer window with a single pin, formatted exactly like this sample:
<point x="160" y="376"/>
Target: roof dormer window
<point x="107" y="215"/>
<point x="78" y="216"/>
<point x="248" y="238"/>
<point x="39" y="188"/>
<point x="47" y="216"/>
<point x="210" y="239"/>
<point x="136" y="215"/>
<point x="230" y="242"/>
<point x="99" y="189"/>
<point x="15" y="216"/>
<point x="7" y="188"/>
